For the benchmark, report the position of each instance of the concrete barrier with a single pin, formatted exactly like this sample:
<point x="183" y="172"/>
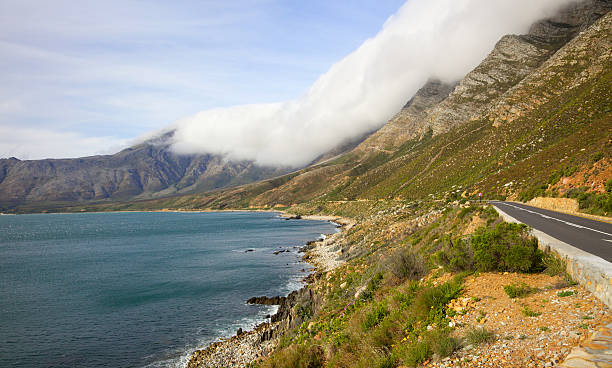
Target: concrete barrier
<point x="592" y="272"/>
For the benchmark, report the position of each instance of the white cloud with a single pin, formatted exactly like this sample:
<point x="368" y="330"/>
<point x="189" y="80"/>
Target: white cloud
<point x="434" y="38"/>
<point x="34" y="144"/>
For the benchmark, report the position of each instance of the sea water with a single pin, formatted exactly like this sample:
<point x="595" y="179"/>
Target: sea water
<point x="139" y="289"/>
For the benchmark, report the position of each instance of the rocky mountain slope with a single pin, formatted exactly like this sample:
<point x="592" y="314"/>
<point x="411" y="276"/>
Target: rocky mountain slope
<point x="439" y="106"/>
<point x="509" y="125"/>
<point x="508" y="116"/>
<point x="147" y="170"/>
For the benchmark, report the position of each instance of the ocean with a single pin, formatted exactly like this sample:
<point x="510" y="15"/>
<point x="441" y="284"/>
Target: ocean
<point x="139" y="289"/>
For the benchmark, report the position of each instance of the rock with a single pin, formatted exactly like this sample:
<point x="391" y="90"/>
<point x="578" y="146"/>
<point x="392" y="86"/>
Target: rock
<point x="264" y="300"/>
<point x="360" y="291"/>
<point x="294" y="217"/>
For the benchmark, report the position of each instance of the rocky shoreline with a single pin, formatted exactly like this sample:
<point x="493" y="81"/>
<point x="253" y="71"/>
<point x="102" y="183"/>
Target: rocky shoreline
<point x="246" y="347"/>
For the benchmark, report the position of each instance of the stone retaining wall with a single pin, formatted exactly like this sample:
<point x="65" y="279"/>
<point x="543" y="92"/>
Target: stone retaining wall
<point x="555" y="204"/>
<point x="592" y="272"/>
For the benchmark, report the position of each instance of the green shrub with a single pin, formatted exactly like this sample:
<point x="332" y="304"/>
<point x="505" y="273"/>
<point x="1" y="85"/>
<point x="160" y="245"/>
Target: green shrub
<point x="382" y="336"/>
<point x="597" y="156"/>
<point x="430" y="303"/>
<point x="417" y="353"/>
<point x="455" y="256"/>
<point x="442" y="344"/>
<point x="304" y="311"/>
<point x="518" y="290"/>
<point x="375" y="316"/>
<point x="565" y="293"/>
<point x="554" y="266"/>
<point x="405" y="264"/>
<point x="373" y="285"/>
<point x="506" y="247"/>
<point x="595" y="203"/>
<point x="296" y="356"/>
<point x="466" y="211"/>
<point x="479" y="335"/>
<point x="531" y="193"/>
<point x="385" y="362"/>
<point x="490" y="213"/>
<point x="527" y="312"/>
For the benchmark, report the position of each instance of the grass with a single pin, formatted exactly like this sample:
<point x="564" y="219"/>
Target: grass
<point x="527" y="312"/>
<point x="479" y="335"/>
<point x="375" y="316"/>
<point x="565" y="293"/>
<point x="415" y="354"/>
<point x="518" y="290"/>
<point x="405" y="264"/>
<point x="296" y="356"/>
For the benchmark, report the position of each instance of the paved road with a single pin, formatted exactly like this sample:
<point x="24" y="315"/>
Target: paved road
<point x="592" y="236"/>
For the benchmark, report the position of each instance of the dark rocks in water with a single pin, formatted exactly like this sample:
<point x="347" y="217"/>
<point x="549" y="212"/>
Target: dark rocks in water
<point x="309" y="245"/>
<point x="249" y="250"/>
<point x="239" y="332"/>
<point x="294" y="217"/>
<point x="281" y="251"/>
<point x="264" y="300"/>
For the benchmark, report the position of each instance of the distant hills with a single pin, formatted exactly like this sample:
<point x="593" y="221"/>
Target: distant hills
<point x="147" y="170"/>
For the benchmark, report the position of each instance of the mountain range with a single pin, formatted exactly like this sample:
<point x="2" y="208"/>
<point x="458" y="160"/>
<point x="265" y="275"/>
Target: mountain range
<point x="516" y="112"/>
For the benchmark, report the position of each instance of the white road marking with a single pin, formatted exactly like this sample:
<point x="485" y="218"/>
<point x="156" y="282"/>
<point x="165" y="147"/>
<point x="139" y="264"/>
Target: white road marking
<point x="608" y="240"/>
<point x="556" y="219"/>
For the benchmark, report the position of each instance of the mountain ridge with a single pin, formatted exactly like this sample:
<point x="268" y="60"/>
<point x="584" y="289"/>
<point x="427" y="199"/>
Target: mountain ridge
<point x="403" y="148"/>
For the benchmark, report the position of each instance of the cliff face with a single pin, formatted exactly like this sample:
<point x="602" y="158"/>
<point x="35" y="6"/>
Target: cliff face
<point x="440" y="106"/>
<point x="513" y="59"/>
<point x="410" y="121"/>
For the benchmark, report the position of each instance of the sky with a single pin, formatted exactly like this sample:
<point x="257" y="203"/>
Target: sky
<point x="86" y="77"/>
<point x="276" y="82"/>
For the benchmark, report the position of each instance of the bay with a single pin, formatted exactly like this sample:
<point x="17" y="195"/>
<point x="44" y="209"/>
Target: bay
<point x="138" y="289"/>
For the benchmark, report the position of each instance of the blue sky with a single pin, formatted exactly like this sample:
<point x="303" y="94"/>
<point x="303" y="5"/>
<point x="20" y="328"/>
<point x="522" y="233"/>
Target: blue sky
<point x="87" y="77"/>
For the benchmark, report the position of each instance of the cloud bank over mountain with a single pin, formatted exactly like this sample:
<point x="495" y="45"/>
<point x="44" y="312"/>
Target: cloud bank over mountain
<point x="424" y="39"/>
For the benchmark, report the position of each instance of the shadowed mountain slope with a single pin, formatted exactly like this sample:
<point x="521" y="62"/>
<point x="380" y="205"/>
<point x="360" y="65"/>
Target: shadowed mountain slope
<point x="147" y="170"/>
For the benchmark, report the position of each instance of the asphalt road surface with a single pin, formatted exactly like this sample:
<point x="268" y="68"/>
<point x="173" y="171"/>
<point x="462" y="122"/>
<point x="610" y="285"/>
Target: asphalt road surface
<point x="592" y="236"/>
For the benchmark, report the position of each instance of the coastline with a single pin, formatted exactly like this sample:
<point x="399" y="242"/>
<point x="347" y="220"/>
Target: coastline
<point x="246" y="347"/>
<point x="260" y="341"/>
